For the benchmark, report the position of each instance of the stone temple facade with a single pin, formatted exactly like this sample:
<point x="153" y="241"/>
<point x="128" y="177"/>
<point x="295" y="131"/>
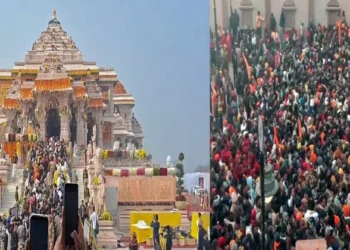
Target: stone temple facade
<point x="54" y="92"/>
<point x="324" y="12"/>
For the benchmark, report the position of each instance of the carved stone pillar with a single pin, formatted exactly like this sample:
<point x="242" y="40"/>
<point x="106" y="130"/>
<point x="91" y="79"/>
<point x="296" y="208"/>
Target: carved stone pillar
<point x="333" y="9"/>
<point x="289" y="9"/>
<point x="65" y="118"/>
<point x="311" y="11"/>
<point x="99" y="135"/>
<point x="42" y="124"/>
<point x="26" y="107"/>
<point x="65" y="127"/>
<point x="10" y="115"/>
<point x="81" y="126"/>
<point x="99" y="127"/>
<point x="246" y="8"/>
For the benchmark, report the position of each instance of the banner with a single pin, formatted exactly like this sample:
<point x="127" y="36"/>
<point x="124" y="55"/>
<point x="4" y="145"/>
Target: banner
<point x="147" y="189"/>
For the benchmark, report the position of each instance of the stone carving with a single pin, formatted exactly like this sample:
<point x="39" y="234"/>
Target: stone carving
<point x="93" y="138"/>
<point x="89" y="153"/>
<point x="119" y="120"/>
<point x="98" y="161"/>
<point x="116" y="145"/>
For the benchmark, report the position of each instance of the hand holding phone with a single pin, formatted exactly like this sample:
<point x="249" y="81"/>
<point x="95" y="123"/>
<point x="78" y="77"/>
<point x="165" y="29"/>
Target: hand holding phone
<point x="38" y="232"/>
<point x="71" y="211"/>
<point x="78" y="236"/>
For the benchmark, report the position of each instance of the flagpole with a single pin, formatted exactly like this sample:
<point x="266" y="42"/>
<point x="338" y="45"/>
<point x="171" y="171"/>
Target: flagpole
<point x="233" y="47"/>
<point x="216" y="40"/>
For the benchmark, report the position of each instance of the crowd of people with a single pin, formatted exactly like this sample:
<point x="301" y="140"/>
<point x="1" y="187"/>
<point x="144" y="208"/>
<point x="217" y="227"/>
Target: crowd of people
<point x="297" y="83"/>
<point x="46" y="172"/>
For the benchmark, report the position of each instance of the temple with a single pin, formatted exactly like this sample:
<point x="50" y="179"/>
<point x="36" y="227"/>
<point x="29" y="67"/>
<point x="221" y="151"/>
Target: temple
<point x="54" y="92"/>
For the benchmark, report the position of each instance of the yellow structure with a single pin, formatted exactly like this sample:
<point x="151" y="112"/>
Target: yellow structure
<point x="194" y="226"/>
<point x="172" y="219"/>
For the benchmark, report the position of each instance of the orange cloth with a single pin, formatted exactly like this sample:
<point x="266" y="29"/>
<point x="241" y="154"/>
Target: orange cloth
<point x="299" y="216"/>
<point x="346" y="210"/>
<point x="275" y="137"/>
<point x="232" y="189"/>
<point x="336" y="220"/>
<point x="313" y="157"/>
<point x="249" y="70"/>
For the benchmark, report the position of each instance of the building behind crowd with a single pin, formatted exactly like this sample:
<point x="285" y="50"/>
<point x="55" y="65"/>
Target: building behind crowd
<point x="297" y="11"/>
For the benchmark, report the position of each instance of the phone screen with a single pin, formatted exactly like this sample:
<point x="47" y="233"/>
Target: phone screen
<point x="70" y="211"/>
<point x="39" y="232"/>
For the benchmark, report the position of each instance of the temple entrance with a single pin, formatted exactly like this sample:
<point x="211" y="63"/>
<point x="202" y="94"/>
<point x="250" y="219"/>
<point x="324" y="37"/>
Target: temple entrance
<point x="53" y="123"/>
<point x="73" y="125"/>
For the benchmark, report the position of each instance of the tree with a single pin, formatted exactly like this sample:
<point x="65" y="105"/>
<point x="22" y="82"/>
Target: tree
<point x="180" y="174"/>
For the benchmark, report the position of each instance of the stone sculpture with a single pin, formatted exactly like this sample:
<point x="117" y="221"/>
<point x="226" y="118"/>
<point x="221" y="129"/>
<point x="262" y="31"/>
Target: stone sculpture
<point x="89" y="153"/>
<point x="116" y="145"/>
<point x="98" y="161"/>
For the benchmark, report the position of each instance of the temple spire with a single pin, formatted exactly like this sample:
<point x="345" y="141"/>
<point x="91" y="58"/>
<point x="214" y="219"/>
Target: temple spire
<point x="54" y="18"/>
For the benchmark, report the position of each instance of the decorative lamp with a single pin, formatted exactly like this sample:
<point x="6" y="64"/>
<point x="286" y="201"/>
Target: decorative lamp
<point x="270" y="184"/>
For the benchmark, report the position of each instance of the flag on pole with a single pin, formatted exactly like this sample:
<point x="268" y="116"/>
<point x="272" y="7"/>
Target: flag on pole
<point x="339" y="33"/>
<point x="275" y="137"/>
<point x="249" y="69"/>
<point x="300" y="130"/>
<point x="228" y="45"/>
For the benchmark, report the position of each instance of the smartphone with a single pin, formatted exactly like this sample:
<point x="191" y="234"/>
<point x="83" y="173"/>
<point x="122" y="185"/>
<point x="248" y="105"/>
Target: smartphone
<point x="70" y="211"/>
<point x="39" y="232"/>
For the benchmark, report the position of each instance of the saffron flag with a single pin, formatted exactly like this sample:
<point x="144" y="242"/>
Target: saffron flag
<point x="275" y="137"/>
<point x="228" y="44"/>
<point x="300" y="129"/>
<point x="339" y="34"/>
<point x="249" y="70"/>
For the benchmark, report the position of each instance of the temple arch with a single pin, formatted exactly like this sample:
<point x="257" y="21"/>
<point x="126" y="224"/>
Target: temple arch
<point x="53" y="119"/>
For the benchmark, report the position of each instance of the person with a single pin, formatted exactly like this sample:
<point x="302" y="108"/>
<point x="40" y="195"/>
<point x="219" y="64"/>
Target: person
<point x="207" y="242"/>
<point x="21" y="231"/>
<point x="94" y="222"/>
<point x="273" y="23"/>
<point x="200" y="240"/>
<point x="169" y="239"/>
<point x="133" y="245"/>
<point x="75" y="177"/>
<point x="259" y="20"/>
<point x="199" y="223"/>
<point x="162" y="241"/>
<point x="85" y="177"/>
<point x="83" y="211"/>
<point x="14" y="167"/>
<point x="199" y="220"/>
<point x="155" y="226"/>
<point x="86" y="192"/>
<point x="14" y="238"/>
<point x="16" y="195"/>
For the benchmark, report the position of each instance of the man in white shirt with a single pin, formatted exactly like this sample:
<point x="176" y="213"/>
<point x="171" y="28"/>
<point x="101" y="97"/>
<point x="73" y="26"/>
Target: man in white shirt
<point x="94" y="222"/>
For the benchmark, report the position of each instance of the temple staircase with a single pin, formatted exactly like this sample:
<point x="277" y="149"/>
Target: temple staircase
<point x="9" y="190"/>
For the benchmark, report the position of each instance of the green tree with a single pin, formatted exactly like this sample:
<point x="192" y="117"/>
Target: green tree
<point x="180" y="174"/>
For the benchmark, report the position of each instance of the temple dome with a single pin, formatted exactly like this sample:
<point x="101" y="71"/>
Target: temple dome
<point x="119" y="89"/>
